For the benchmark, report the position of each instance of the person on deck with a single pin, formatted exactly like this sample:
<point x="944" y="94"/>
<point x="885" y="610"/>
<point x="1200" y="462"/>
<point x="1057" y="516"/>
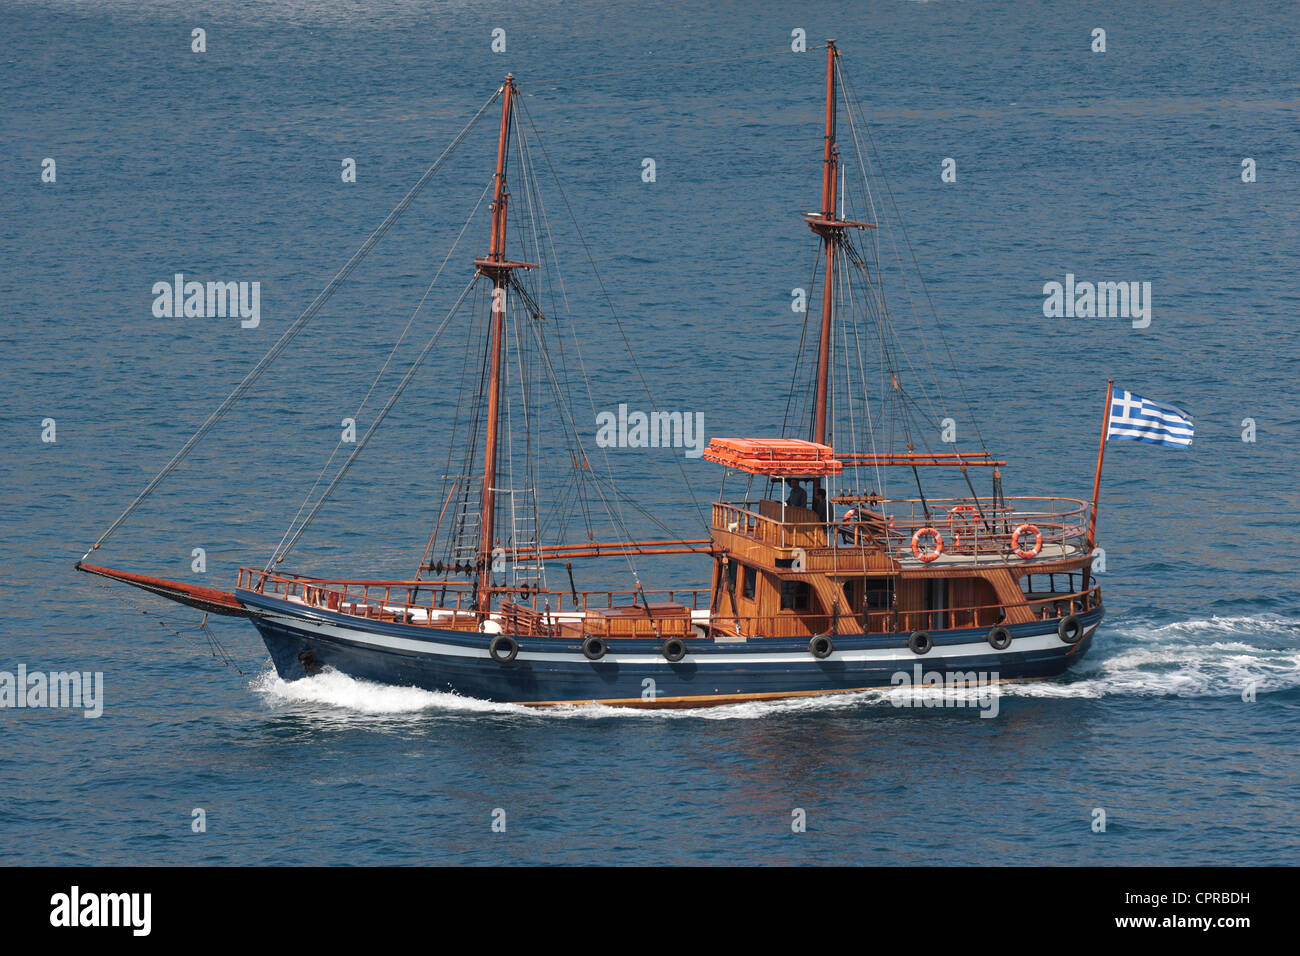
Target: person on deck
<point x="798" y="498"/>
<point x="820" y="507"/>
<point x="819" y="504"/>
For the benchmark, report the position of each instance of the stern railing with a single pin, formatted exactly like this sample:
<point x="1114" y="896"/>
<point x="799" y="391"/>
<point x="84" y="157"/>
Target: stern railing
<point x="967" y="526"/>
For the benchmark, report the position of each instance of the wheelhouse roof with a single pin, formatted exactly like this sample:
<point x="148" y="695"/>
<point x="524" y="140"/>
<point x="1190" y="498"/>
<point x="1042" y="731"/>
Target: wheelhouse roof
<point x="779" y="457"/>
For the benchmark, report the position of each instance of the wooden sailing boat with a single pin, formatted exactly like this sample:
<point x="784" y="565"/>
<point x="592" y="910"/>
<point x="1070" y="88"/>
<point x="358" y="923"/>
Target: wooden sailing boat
<point x="838" y="593"/>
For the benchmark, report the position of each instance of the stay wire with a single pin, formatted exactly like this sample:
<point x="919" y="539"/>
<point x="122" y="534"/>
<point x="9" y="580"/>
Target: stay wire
<point x="374" y="426"/>
<point x="295" y="328"/>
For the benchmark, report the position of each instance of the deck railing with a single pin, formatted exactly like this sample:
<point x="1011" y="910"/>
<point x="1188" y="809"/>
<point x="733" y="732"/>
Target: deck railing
<point x="1049" y="607"/>
<point x="969" y="527"/>
<point x="451" y="603"/>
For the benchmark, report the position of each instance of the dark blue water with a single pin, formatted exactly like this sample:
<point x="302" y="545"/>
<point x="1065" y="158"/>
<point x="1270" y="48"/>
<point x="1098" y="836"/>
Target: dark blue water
<point x="1124" y="166"/>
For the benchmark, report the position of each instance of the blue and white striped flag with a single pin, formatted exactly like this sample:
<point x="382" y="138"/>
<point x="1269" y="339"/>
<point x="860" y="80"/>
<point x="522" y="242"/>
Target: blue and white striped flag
<point x="1142" y="419"/>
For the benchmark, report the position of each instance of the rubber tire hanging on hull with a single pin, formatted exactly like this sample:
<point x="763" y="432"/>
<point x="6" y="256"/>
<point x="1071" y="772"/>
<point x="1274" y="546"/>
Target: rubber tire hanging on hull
<point x="821" y="647"/>
<point x="503" y="648"/>
<point x="999" y="638"/>
<point x="1070" y="630"/>
<point x="920" y="642"/>
<point x="674" y="649"/>
<point x="593" y="648"/>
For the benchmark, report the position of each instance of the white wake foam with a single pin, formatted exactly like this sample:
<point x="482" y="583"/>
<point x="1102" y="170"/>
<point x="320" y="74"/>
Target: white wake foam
<point x="333" y="693"/>
<point x="333" y="690"/>
<point x="1209" y="657"/>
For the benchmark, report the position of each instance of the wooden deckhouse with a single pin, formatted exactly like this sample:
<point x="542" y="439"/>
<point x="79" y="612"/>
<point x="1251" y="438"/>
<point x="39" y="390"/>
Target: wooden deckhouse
<point x="873" y="565"/>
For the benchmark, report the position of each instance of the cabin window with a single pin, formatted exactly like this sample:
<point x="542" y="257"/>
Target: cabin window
<point x="796" y="596"/>
<point x="747" y="583"/>
<point x="869" y="594"/>
<point x="1062" y="582"/>
<point x="732" y="567"/>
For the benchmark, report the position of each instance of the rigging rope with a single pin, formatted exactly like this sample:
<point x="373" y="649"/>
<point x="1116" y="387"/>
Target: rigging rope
<point x="388" y="361"/>
<point x="374" y="426"/>
<point x="216" y="650"/>
<point x="849" y="92"/>
<point x="295" y="328"/>
<point x="618" y="323"/>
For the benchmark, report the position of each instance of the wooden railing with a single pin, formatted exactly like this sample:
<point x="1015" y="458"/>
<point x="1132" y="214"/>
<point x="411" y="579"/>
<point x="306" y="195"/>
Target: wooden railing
<point x="982" y="616"/>
<point x="969" y="527"/>
<point x="1046" y="608"/>
<point x="451" y="603"/>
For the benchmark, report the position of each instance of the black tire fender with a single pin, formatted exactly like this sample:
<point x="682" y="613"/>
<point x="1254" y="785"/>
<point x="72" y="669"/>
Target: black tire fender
<point x="1070" y="630"/>
<point x="503" y="648"/>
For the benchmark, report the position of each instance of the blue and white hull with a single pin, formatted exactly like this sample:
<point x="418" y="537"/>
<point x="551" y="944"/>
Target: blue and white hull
<point x="550" y="670"/>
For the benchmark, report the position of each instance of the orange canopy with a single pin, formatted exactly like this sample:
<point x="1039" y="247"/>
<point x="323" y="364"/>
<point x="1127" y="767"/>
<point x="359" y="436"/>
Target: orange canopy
<point x="773" y="456"/>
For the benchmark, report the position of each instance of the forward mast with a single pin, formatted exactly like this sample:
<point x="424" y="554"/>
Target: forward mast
<point x="499" y="269"/>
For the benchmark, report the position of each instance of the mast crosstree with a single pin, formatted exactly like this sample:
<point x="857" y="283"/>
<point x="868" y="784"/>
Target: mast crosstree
<point x="830" y="227"/>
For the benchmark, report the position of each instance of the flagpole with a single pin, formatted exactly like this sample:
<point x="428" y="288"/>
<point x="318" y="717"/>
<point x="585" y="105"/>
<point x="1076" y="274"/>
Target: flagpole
<point x="1101" y="454"/>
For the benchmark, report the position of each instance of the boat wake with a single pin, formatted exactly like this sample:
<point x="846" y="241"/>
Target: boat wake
<point x="1219" y="656"/>
<point x="1211" y="657"/>
<point x="335" y="691"/>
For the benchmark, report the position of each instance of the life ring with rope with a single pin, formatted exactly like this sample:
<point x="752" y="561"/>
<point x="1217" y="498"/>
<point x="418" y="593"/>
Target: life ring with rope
<point x="926" y="556"/>
<point x="1027" y="552"/>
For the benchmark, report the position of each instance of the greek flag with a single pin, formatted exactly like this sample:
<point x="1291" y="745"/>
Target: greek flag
<point x="1143" y="419"/>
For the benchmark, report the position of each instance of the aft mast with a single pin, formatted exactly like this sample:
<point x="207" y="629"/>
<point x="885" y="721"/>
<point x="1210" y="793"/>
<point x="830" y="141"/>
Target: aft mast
<point x="829" y="229"/>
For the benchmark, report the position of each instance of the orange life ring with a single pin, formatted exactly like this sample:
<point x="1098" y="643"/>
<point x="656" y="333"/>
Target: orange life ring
<point x="928" y="556"/>
<point x="1027" y="553"/>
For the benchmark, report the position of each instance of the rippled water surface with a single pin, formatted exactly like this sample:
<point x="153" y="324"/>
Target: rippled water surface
<point x="1123" y="166"/>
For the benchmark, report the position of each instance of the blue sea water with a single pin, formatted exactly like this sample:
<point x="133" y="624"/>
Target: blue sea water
<point x="1123" y="165"/>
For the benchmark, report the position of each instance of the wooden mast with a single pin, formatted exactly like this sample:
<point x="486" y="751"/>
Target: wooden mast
<point x="829" y="231"/>
<point x="496" y="267"/>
